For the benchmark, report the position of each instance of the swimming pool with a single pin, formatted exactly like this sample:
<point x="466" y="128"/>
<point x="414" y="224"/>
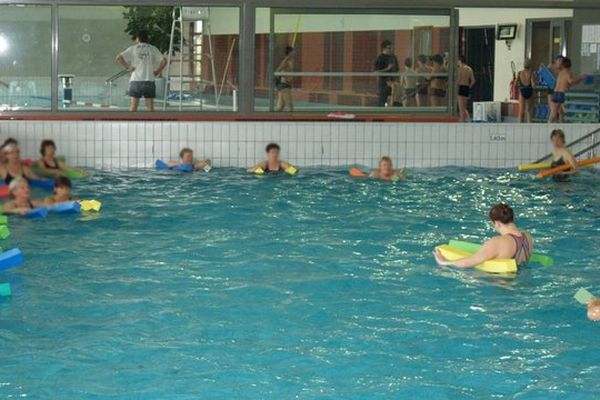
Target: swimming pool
<point x="226" y="285"/>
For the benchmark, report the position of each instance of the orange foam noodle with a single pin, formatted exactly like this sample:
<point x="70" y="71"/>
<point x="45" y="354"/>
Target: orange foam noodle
<point x="357" y="172"/>
<point x="556" y="170"/>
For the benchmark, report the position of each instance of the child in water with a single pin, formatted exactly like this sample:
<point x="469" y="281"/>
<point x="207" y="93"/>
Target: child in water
<point x="561" y="155"/>
<point x="62" y="191"/>
<point x="386" y="171"/>
<point x="21" y="203"/>
<point x="593" y="309"/>
<point x="187" y="158"/>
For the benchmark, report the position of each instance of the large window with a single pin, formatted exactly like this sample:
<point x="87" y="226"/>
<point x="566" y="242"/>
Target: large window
<point x="25" y="57"/>
<point x="351" y="61"/>
<point x="198" y="44"/>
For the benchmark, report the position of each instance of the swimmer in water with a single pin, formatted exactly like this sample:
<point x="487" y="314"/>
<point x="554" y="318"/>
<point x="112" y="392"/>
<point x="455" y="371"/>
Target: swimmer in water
<point x="20" y="193"/>
<point x="593" y="309"/>
<point x="62" y="191"/>
<point x="561" y="156"/>
<point x="8" y="141"/>
<point x="512" y="242"/>
<point x="272" y="165"/>
<point x="187" y="158"/>
<point x="13" y="167"/>
<point x="386" y="171"/>
<point x="48" y="164"/>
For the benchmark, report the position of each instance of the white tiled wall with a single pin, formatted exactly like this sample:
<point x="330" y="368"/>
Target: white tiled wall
<point x="107" y="144"/>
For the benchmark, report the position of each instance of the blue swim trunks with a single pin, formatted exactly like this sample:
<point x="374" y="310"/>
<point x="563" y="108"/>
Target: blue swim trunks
<point x="558" y="97"/>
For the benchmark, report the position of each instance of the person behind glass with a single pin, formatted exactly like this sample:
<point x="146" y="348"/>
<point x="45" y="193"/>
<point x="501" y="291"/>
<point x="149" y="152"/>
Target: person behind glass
<point x="410" y="84"/>
<point x="465" y="80"/>
<point x="422" y="82"/>
<point x="145" y="62"/>
<point x="526" y="80"/>
<point x="386" y="63"/>
<point x="555" y="70"/>
<point x="564" y="81"/>
<point x="284" y="83"/>
<point x="438" y="86"/>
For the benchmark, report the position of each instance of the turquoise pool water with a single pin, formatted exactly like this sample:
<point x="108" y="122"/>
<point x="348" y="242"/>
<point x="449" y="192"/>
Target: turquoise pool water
<point x="229" y="286"/>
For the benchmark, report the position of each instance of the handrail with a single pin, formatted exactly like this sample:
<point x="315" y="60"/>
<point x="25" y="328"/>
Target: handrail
<point x="593" y="146"/>
<point x="116" y="76"/>
<point x="581" y="139"/>
<point x="368" y="74"/>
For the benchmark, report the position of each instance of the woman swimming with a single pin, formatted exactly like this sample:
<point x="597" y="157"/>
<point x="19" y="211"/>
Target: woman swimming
<point x="386" y="171"/>
<point x="272" y="165"/>
<point x="21" y="203"/>
<point x="62" y="191"/>
<point x="512" y="242"/>
<point x="13" y="168"/>
<point x="48" y="164"/>
<point x="187" y="158"/>
<point x="561" y="156"/>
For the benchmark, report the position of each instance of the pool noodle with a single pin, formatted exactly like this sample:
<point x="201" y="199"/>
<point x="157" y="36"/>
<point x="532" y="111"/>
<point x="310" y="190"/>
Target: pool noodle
<point x="40" y="212"/>
<point x="583" y="296"/>
<point x="529" y="167"/>
<point x="3" y="220"/>
<point x="11" y="258"/>
<point x="5" y="290"/>
<point x="4" y="232"/>
<point x="542" y="259"/>
<point x="42" y="183"/>
<point x="357" y="173"/>
<point x="565" y="167"/>
<point x="495" y="266"/>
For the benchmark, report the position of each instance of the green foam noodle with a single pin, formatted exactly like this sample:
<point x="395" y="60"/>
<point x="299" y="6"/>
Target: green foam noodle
<point x="583" y="296"/>
<point x="5" y="289"/>
<point x="73" y="174"/>
<point x="4" y="232"/>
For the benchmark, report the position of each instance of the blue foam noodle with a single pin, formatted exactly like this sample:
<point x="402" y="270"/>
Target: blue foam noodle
<point x="11" y="258"/>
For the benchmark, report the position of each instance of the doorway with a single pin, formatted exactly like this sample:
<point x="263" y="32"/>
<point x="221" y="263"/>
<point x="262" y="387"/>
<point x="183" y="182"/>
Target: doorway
<point x="478" y="45"/>
<point x="547" y="38"/>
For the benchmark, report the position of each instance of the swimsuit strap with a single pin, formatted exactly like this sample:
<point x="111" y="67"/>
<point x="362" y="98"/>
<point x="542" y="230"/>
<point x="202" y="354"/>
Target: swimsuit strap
<point x="523" y="246"/>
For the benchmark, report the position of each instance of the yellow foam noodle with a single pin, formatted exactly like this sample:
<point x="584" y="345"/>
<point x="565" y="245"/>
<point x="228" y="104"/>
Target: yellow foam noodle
<point x="530" y="167"/>
<point x="291" y="170"/>
<point x="496" y="266"/>
<point x="96" y="205"/>
<point x="90" y="205"/>
<point x="259" y="171"/>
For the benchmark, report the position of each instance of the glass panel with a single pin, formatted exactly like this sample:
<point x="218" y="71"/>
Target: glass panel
<point x="339" y="62"/>
<point x="200" y="74"/>
<point x="25" y="57"/>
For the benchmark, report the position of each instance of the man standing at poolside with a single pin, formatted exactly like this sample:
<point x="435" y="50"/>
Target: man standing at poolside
<point x="145" y="62"/>
<point x="386" y="63"/>
<point x="466" y="80"/>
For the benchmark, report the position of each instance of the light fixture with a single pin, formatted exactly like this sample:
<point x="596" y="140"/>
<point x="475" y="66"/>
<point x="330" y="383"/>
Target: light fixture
<point x="3" y="44"/>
